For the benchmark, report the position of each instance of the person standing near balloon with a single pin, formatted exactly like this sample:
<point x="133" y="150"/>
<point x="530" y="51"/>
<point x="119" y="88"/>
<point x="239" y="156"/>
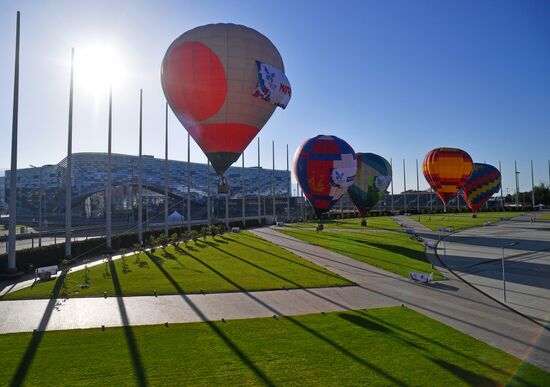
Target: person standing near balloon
<point x="325" y="167"/>
<point x="223" y="82"/>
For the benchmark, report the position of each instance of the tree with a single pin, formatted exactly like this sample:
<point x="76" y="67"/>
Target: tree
<point x="213" y="231"/>
<point x="204" y="232"/>
<point x="174" y="238"/>
<point x="194" y="235"/>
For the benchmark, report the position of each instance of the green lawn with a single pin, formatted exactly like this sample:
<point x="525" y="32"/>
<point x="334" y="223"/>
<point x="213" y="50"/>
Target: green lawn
<point x="234" y="262"/>
<point x="373" y="222"/>
<point x="543" y="216"/>
<point x="392" y="251"/>
<point x="390" y="346"/>
<point x="461" y="220"/>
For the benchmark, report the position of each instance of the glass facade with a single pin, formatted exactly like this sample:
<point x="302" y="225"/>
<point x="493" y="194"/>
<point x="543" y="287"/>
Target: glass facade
<point x="89" y="177"/>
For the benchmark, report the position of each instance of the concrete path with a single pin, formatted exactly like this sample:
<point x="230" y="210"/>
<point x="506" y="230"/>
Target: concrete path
<point x="476" y="256"/>
<point x="81" y="313"/>
<point x="452" y="302"/>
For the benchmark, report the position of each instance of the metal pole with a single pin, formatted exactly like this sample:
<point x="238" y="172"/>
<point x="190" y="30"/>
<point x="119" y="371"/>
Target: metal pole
<point x="40" y="207"/>
<point x="188" y="182"/>
<point x="227" y="209"/>
<point x="68" y="190"/>
<point x="109" y="172"/>
<point x="404" y="188"/>
<point x="501" y="189"/>
<point x="243" y="190"/>
<point x="273" y="181"/>
<point x="13" y="172"/>
<point x="258" y="182"/>
<point x="391" y="183"/>
<point x="517" y="183"/>
<point x="417" y="189"/>
<point x="166" y="169"/>
<point x="288" y="188"/>
<point x="140" y="170"/>
<point x="503" y="276"/>
<point x="208" y="204"/>
<point x="532" y="188"/>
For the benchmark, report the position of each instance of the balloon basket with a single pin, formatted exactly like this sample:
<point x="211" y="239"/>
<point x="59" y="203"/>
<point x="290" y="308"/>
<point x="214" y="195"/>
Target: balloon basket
<point x="320" y="227"/>
<point x="474" y="215"/>
<point x="364" y="222"/>
<point x="223" y="188"/>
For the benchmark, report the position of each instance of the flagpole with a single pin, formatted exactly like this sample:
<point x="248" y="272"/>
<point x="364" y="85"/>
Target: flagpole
<point x="501" y="193"/>
<point x="417" y="189"/>
<point x="288" y="188"/>
<point x="258" y="182"/>
<point x="272" y="182"/>
<point x="188" y="182"/>
<point x="68" y="190"/>
<point x="243" y="190"/>
<point x="140" y="170"/>
<point x="404" y="188"/>
<point x="532" y="187"/>
<point x="13" y="173"/>
<point x="166" y="168"/>
<point x="391" y="182"/>
<point x="208" y="204"/>
<point x="109" y="174"/>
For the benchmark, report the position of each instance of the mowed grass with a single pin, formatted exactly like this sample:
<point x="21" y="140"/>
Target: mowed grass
<point x="389" y="346"/>
<point x="228" y="263"/>
<point x="391" y="251"/>
<point x="461" y="220"/>
<point x="373" y="222"/>
<point x="543" y="216"/>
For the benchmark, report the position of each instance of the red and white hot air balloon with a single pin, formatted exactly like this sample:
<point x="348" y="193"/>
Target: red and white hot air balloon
<point x="223" y="82"/>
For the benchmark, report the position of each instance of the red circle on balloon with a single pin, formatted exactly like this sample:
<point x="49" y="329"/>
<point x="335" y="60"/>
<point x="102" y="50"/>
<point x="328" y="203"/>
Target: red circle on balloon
<point x="195" y="81"/>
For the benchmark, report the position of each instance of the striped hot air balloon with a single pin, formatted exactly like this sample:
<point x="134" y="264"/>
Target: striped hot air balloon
<point x="447" y="170"/>
<point x="223" y="82"/>
<point x="482" y="184"/>
<point x="372" y="179"/>
<point x="325" y="167"/>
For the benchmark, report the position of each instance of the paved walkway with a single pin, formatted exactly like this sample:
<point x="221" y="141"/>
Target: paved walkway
<point x="476" y="256"/>
<point x="452" y="302"/>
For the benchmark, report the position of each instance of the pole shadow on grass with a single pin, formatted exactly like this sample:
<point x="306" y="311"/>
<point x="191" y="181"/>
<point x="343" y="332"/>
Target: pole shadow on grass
<point x="326" y="272"/>
<point x="396" y="332"/>
<point x="238" y="352"/>
<point x="137" y="363"/>
<point x="26" y="360"/>
<point x="233" y="346"/>
<point x="445" y="315"/>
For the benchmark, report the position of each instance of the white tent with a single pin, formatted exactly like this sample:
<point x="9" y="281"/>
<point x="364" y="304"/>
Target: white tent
<point x="175" y="218"/>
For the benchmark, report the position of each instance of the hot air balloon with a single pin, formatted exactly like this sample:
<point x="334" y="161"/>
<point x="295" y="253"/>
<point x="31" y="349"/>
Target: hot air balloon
<point x="482" y="184"/>
<point x="223" y="82"/>
<point x="447" y="170"/>
<point x="325" y="167"/>
<point x="371" y="182"/>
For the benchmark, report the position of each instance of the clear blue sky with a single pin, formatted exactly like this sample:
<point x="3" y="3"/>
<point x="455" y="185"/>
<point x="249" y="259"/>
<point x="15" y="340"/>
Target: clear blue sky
<point x="396" y="78"/>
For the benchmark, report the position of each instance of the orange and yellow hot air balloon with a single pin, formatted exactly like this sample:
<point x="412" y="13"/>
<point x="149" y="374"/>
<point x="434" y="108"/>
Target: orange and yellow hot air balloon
<point x="447" y="170"/>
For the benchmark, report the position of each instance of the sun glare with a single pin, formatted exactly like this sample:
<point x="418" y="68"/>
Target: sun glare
<point x="97" y="67"/>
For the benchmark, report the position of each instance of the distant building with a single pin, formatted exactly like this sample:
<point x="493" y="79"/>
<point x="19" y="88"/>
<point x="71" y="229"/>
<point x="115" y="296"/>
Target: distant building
<point x="90" y="177"/>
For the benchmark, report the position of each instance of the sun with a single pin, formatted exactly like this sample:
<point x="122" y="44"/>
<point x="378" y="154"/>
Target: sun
<point x="97" y="67"/>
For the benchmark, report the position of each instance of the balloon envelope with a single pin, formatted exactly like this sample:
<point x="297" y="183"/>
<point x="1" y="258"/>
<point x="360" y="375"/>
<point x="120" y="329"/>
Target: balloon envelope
<point x="447" y="170"/>
<point x="371" y="181"/>
<point x="214" y="78"/>
<point x="325" y="167"/>
<point x="482" y="184"/>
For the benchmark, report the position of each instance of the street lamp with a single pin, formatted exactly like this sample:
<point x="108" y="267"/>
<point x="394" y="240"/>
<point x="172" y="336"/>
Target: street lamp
<point x="503" y="275"/>
<point x="40" y="207"/>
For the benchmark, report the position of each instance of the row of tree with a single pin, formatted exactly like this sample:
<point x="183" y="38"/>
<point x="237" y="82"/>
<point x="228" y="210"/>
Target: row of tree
<point x="542" y="195"/>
